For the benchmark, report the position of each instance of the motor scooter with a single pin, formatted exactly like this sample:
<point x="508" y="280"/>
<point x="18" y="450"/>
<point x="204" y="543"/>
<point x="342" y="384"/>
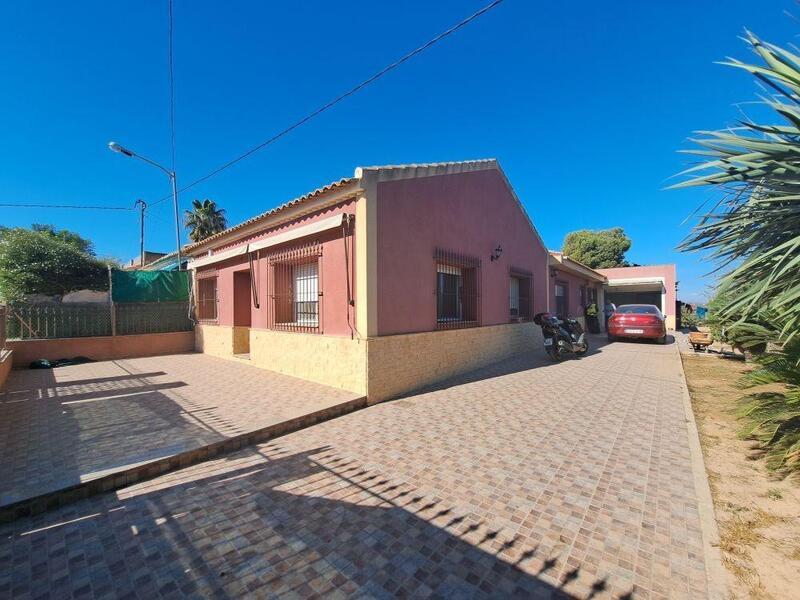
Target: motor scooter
<point x="561" y="336"/>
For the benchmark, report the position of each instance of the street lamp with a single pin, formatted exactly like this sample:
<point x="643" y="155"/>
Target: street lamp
<point x="115" y="147"/>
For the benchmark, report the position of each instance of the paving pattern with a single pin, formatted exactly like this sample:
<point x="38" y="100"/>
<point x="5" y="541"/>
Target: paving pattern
<point x="63" y="426"/>
<point x="527" y="480"/>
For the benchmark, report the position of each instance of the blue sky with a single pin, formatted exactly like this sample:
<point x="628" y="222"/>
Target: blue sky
<point x="584" y="103"/>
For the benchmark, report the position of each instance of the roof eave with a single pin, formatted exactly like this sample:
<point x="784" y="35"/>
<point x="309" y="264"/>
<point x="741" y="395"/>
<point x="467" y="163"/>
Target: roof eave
<point x="279" y="216"/>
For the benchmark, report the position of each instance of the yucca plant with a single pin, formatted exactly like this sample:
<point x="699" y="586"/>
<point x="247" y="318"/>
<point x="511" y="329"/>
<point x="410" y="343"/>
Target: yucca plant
<point x="753" y="235"/>
<point x="774" y="417"/>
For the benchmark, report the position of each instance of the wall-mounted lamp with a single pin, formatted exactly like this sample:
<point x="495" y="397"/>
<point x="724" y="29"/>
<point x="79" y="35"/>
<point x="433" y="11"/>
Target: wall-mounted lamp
<point x="498" y="252"/>
<point x="553" y="272"/>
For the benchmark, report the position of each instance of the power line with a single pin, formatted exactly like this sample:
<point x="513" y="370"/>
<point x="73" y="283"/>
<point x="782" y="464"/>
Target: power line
<point x="339" y="98"/>
<point x="171" y="89"/>
<point x="76" y="206"/>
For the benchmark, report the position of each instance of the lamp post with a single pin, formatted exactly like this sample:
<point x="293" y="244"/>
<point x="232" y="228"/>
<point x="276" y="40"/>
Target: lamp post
<point x="115" y="147"/>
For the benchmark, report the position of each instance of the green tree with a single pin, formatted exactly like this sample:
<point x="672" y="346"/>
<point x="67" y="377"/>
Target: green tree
<point x="204" y="220"/>
<point x="44" y="260"/>
<point x="601" y="249"/>
<point x="70" y="237"/>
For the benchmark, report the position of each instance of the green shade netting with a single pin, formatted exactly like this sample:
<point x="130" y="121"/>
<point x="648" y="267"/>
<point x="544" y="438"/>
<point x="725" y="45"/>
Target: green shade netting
<point x="149" y="286"/>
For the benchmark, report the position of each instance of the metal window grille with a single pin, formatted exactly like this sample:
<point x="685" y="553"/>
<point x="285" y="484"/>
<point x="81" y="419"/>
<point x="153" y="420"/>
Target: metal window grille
<point x="457" y="290"/>
<point x="207" y="298"/>
<point x="520" y="288"/>
<point x="296" y="289"/>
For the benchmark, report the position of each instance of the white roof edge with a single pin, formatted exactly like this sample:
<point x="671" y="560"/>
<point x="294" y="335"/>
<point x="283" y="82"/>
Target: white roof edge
<point x="280" y="238"/>
<point x="410" y="171"/>
<point x="636" y="280"/>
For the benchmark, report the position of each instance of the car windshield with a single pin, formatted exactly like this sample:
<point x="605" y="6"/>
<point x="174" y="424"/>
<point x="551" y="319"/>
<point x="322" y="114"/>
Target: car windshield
<point x="637" y="309"/>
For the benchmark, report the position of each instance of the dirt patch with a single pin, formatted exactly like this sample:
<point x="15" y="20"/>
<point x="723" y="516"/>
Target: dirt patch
<point x="758" y="516"/>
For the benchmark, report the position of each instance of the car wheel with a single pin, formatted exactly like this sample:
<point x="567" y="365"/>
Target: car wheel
<point x="611" y="338"/>
<point x="662" y="340"/>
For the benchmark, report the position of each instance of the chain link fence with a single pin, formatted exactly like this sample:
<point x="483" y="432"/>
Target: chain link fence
<point x="152" y="317"/>
<point x="49" y="321"/>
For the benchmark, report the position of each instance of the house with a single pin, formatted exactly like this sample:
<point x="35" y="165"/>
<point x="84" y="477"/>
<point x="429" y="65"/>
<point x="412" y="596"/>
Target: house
<point x="149" y="257"/>
<point x="573" y="287"/>
<point x="380" y="283"/>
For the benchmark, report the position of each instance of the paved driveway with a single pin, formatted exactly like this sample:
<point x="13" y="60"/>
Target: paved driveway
<point x="531" y="481"/>
<point x="64" y="426"/>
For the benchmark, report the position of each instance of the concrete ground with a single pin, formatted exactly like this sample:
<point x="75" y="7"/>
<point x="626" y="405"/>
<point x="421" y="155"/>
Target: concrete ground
<point x="68" y="425"/>
<point x="527" y="479"/>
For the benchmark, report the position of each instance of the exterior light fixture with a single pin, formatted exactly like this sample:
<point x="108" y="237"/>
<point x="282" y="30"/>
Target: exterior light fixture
<point x="119" y="149"/>
<point x="115" y="147"/>
<point x="498" y="252"/>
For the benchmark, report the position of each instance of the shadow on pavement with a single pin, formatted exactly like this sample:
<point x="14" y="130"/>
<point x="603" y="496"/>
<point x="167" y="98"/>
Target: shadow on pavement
<point x="305" y="525"/>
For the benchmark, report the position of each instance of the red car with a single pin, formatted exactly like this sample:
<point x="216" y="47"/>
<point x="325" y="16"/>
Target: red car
<point x="637" y="321"/>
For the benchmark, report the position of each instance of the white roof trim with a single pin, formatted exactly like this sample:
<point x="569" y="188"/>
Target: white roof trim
<point x="218" y="257"/>
<point x="635" y="280"/>
<point x="287" y="236"/>
<point x="298" y="232"/>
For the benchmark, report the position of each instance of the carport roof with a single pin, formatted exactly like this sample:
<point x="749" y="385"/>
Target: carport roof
<point x="563" y="261"/>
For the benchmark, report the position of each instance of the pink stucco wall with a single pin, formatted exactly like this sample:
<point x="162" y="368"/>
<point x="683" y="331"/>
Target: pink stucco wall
<point x="666" y="271"/>
<point x="574" y="282"/>
<point x="333" y="276"/>
<point x="467" y="213"/>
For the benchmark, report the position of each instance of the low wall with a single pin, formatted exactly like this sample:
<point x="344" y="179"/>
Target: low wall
<point x="101" y="347"/>
<point x="399" y="364"/>
<point x="335" y="361"/>
<point x="6" y="360"/>
<point x="216" y="340"/>
<point x="382" y="367"/>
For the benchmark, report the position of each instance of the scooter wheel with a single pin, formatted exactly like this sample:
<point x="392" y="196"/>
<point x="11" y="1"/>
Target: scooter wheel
<point x="555" y="354"/>
<point x="585" y="349"/>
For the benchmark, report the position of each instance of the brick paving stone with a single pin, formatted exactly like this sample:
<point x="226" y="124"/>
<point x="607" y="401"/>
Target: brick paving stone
<point x="63" y="426"/>
<point x="525" y="480"/>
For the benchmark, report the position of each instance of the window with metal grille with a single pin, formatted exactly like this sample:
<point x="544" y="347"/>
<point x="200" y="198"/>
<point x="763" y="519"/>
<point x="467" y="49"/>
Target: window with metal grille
<point x="562" y="300"/>
<point x="207" y="298"/>
<point x="296" y="289"/>
<point x="519" y="296"/>
<point x="457" y="290"/>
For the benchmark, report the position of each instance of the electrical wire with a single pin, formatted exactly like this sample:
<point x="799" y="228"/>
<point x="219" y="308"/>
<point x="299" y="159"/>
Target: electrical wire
<point x="281" y="133"/>
<point x="76" y="206"/>
<point x="339" y="98"/>
<point x="171" y="89"/>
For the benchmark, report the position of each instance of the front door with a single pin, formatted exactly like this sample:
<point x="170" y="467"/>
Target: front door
<point x="242" y="295"/>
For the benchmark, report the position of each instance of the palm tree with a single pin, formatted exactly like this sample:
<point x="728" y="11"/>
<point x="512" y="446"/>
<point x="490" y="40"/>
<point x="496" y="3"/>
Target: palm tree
<point x="204" y="220"/>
